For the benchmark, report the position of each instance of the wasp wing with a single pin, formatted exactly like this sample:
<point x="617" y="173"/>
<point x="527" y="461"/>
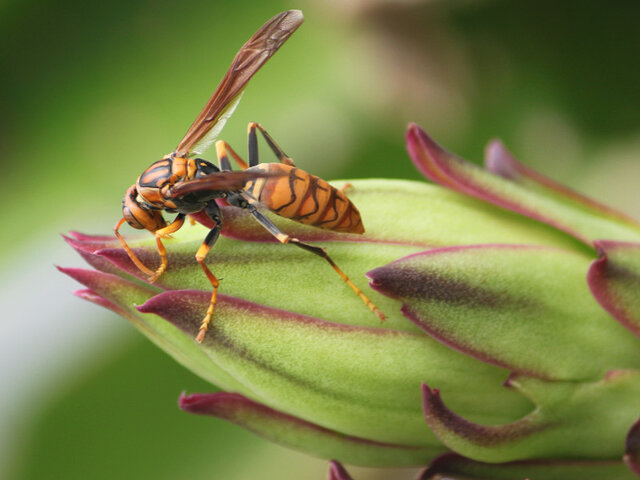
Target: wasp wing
<point x="218" y="182"/>
<point x="253" y="54"/>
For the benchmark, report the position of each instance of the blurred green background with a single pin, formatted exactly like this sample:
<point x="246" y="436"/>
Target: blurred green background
<point x="93" y="92"/>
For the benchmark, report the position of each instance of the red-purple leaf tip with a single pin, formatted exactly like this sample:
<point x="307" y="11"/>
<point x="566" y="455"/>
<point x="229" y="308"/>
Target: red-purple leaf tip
<point x="425" y="153"/>
<point x="92" y="238"/>
<point x="93" y="297"/>
<point x="440" y="466"/>
<point x="105" y="289"/>
<point x="632" y="449"/>
<point x="499" y="161"/>
<point x="337" y="471"/>
<point x="219" y="404"/>
<point x="182" y="308"/>
<point x="89" y="278"/>
<point x="452" y="429"/>
<point x="119" y="257"/>
<point x="615" y="282"/>
<point x="88" y="246"/>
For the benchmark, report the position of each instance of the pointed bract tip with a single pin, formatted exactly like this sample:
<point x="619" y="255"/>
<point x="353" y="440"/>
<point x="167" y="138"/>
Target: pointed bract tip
<point x="75" y="243"/>
<point x="81" y="275"/>
<point x="429" y="392"/>
<point x="194" y="403"/>
<point x="91" y="296"/>
<point x="183" y="398"/>
<point x="632" y="449"/>
<point x="495" y="144"/>
<point x="145" y="307"/>
<point x="337" y="471"/>
<point x="413" y="132"/>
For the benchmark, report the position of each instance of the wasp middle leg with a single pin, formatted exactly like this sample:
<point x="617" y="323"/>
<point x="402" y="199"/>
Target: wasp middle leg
<point x="213" y="212"/>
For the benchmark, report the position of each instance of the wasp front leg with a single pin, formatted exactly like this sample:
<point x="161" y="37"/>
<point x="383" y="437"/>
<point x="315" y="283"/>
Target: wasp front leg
<point x="164" y="233"/>
<point x="134" y="258"/>
<point x="159" y="234"/>
<point x="213" y="211"/>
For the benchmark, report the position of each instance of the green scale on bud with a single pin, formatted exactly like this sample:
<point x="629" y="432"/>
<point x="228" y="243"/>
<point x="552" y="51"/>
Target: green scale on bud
<point x="511" y="346"/>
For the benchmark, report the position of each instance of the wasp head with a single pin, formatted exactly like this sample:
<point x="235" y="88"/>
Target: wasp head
<point x="139" y="214"/>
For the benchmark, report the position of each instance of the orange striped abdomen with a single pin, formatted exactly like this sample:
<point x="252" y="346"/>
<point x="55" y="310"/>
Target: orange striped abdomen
<point x="305" y="198"/>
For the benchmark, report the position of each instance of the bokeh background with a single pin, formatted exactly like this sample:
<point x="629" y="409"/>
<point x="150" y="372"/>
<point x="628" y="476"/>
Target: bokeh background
<point x="93" y="92"/>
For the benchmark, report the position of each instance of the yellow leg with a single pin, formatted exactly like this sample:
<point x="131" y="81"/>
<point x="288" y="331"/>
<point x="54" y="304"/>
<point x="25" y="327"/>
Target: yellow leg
<point x="127" y="249"/>
<point x="200" y="256"/>
<point x="321" y="252"/>
<point x="221" y="152"/>
<point x="164" y="233"/>
<point x="345" y="187"/>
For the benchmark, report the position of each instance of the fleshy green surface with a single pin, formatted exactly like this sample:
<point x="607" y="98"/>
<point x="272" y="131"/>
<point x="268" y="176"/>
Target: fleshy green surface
<point x="289" y="334"/>
<point x="526" y="308"/>
<point x="357" y="381"/>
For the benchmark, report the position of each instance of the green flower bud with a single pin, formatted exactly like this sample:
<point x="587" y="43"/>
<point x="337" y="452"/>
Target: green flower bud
<point x="512" y="298"/>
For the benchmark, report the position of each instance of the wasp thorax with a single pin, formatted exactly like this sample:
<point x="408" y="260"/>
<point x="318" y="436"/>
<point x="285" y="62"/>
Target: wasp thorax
<point x="157" y="174"/>
<point x="140" y="215"/>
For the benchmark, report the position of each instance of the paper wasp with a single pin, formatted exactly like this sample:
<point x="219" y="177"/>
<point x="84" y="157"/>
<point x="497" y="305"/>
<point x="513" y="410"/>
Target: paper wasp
<point x="182" y="184"/>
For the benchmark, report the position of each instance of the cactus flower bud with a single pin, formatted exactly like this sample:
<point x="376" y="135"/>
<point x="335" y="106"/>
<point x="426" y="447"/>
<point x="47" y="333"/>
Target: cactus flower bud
<point x="511" y="347"/>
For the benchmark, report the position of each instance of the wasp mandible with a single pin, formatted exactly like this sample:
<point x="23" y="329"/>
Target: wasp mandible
<point x="182" y="184"/>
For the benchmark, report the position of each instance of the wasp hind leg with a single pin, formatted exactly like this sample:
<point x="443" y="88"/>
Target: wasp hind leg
<point x="213" y="212"/>
<point x="223" y="149"/>
<point x="321" y="252"/>
<point x="253" y="146"/>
